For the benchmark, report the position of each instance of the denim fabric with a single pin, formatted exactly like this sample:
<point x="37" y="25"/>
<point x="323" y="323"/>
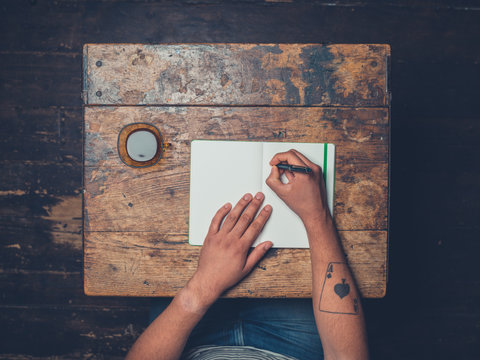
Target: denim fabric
<point x="284" y="326"/>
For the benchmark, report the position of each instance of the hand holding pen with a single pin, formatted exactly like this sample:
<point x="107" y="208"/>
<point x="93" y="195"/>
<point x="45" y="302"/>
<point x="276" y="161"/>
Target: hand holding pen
<point x="305" y="195"/>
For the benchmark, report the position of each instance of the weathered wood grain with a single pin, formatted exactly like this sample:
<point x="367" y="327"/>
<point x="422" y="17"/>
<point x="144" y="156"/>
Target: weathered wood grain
<point x="351" y="81"/>
<point x="446" y="26"/>
<point x="157" y="200"/>
<point x="40" y="79"/>
<point x="150" y="206"/>
<point x="41" y="232"/>
<point x="52" y="134"/>
<point x="56" y="289"/>
<point x="120" y="198"/>
<point x="76" y="333"/>
<point x="435" y="76"/>
<point x="153" y="264"/>
<point x="236" y="74"/>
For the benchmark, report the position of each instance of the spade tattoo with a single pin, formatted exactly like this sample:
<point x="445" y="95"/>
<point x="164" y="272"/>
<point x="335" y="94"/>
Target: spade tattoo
<point x="337" y="296"/>
<point x="342" y="289"/>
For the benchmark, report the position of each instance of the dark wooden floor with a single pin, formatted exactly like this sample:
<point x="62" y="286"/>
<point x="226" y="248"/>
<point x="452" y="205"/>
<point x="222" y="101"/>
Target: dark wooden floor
<point x="432" y="307"/>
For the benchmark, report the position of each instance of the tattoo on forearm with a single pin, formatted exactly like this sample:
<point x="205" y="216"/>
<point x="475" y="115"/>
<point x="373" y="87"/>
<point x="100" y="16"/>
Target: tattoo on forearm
<point x="337" y="297"/>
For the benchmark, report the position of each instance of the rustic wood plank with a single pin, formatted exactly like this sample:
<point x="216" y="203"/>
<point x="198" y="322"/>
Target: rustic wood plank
<point x="41" y="232"/>
<point x="54" y="289"/>
<point x="30" y="81"/>
<point x="141" y="264"/>
<point x="42" y="177"/>
<point x="46" y="134"/>
<point x="157" y="199"/>
<point x="236" y="74"/>
<point x="120" y="198"/>
<point x="40" y="79"/>
<point x="364" y="128"/>
<point x="445" y="26"/>
<point x="76" y="333"/>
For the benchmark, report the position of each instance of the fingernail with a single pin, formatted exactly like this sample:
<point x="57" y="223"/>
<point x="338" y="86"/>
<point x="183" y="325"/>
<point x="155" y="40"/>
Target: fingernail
<point x="246" y="197"/>
<point x="268" y="208"/>
<point x="227" y="205"/>
<point x="259" y="196"/>
<point x="268" y="245"/>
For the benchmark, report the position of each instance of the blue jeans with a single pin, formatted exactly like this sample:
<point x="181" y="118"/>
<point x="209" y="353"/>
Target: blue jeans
<point x="284" y="326"/>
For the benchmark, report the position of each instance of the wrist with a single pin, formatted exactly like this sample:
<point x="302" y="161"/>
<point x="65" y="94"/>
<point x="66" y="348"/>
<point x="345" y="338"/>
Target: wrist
<point x="321" y="229"/>
<point x="325" y="245"/>
<point x="196" y="298"/>
<point x="319" y="220"/>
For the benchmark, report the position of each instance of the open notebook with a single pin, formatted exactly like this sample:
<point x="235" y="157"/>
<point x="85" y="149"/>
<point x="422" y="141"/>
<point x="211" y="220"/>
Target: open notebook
<point x="223" y="171"/>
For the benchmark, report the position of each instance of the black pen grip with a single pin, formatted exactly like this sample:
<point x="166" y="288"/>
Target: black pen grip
<point x="300" y="169"/>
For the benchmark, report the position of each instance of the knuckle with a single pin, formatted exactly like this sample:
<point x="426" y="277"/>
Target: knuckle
<point x="232" y="218"/>
<point x="256" y="226"/>
<point x="262" y="219"/>
<point x="246" y="217"/>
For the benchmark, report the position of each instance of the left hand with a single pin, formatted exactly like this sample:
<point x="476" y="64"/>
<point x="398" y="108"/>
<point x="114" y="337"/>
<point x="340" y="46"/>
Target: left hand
<point x="224" y="258"/>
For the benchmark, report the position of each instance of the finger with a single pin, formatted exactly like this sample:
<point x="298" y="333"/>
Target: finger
<point x="274" y="181"/>
<point x="255" y="256"/>
<point x="233" y="216"/>
<point x="255" y="228"/>
<point x="248" y="215"/>
<point x="218" y="217"/>
<point x="290" y="176"/>
<point x="302" y="157"/>
<point x="307" y="162"/>
<point x="290" y="157"/>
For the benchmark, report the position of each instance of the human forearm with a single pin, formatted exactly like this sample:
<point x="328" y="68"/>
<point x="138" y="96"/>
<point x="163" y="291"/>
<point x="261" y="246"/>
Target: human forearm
<point x="166" y="337"/>
<point x="336" y="300"/>
<point x="225" y="259"/>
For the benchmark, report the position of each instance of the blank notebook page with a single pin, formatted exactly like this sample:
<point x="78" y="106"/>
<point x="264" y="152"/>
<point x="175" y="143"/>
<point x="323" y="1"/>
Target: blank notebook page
<point x="221" y="172"/>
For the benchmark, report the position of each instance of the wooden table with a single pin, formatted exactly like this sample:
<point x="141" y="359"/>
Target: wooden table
<point x="136" y="219"/>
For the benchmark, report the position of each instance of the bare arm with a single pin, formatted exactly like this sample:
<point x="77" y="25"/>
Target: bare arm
<point x="336" y="301"/>
<point x="224" y="261"/>
<point x="165" y="338"/>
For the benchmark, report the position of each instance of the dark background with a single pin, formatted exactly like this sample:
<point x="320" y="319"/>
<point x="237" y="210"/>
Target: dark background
<point x="432" y="306"/>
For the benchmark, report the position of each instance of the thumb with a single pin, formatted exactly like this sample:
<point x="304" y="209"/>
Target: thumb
<point x="255" y="256"/>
